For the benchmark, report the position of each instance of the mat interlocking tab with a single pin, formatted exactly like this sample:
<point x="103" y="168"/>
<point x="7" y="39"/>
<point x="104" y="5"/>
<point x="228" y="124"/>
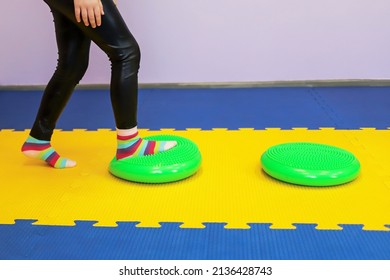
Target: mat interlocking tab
<point x="230" y="188"/>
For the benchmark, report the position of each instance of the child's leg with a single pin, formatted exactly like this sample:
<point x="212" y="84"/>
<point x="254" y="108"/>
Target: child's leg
<point x="73" y="40"/>
<point x="73" y="54"/>
<point x="115" y="39"/>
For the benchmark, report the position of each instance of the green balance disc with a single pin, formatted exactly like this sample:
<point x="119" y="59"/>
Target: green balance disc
<point x="175" y="164"/>
<point x="310" y="164"/>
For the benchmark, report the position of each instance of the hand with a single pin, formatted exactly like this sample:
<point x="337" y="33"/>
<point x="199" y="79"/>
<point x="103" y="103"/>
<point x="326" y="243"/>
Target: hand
<point x="89" y="11"/>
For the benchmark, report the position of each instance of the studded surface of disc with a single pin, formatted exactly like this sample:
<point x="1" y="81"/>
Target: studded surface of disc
<point x="310" y="164"/>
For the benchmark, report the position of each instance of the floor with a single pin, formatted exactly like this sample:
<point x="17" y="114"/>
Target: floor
<point x="230" y="209"/>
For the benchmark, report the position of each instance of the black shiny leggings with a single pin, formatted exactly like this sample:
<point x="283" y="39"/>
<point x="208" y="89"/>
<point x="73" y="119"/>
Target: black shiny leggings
<point x="73" y="41"/>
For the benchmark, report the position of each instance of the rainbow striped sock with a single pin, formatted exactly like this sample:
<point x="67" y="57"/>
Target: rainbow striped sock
<point x="130" y="144"/>
<point x="41" y="149"/>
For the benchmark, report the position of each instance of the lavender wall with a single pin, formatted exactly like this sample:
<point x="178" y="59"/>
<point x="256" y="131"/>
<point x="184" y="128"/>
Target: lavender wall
<point x="185" y="41"/>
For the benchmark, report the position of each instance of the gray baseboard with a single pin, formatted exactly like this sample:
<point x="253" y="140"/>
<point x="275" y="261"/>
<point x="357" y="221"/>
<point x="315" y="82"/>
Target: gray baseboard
<point x="306" y="83"/>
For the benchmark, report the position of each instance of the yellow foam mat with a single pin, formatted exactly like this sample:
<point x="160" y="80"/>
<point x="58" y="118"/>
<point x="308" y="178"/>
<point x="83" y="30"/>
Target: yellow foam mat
<point x="229" y="188"/>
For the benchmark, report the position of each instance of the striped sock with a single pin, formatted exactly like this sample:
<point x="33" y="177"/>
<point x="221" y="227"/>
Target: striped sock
<point x="41" y="149"/>
<point x="130" y="144"/>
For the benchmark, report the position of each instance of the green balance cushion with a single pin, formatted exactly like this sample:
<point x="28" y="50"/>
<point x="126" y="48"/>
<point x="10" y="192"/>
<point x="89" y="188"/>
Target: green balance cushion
<point x="175" y="164"/>
<point x="310" y="164"/>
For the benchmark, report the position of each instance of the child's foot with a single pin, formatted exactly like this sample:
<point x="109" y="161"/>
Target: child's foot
<point x="41" y="149"/>
<point x="130" y="144"/>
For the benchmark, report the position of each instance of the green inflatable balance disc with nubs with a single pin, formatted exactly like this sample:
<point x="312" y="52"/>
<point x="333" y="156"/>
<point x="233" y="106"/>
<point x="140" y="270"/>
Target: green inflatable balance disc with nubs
<point x="310" y="164"/>
<point x="175" y="164"/>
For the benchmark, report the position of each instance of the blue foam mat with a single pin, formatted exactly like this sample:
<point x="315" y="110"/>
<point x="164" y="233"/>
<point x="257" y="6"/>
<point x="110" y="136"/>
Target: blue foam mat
<point x="231" y="108"/>
<point x="83" y="241"/>
<point x="350" y="107"/>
